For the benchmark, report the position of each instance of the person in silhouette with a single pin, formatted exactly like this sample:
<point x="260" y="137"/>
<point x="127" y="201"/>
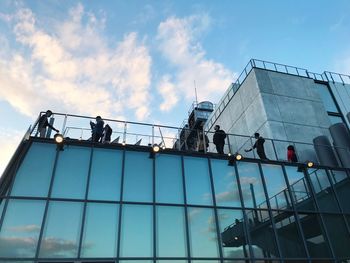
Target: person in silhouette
<point x="203" y="142"/>
<point x="219" y="139"/>
<point x="97" y="129"/>
<point x="43" y="123"/>
<point x="291" y="155"/>
<point x="259" y="146"/>
<point x="107" y="132"/>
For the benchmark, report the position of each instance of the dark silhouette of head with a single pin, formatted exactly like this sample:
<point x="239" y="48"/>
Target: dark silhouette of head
<point x="217" y="127"/>
<point x="48" y="113"/>
<point x="290" y="148"/>
<point x="256" y="135"/>
<point x="98" y="118"/>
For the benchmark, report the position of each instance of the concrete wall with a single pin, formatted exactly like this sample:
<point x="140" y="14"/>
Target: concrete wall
<point x="278" y="106"/>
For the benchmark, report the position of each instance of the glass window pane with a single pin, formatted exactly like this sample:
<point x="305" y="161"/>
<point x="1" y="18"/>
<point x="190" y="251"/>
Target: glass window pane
<point x="106" y="170"/>
<point x="261" y="234"/>
<point x="169" y="185"/>
<point x="71" y="173"/>
<point x="289" y="235"/>
<point x="225" y="184"/>
<point x="341" y="185"/>
<point x="198" y="189"/>
<point x="335" y="119"/>
<point x="338" y="235"/>
<point x="138" y="177"/>
<point x="21" y="227"/>
<point x="299" y="189"/>
<point x="233" y="236"/>
<point x="326" y="98"/>
<point x="171" y="232"/>
<point x="252" y="189"/>
<point x="136" y="231"/>
<point x="34" y="175"/>
<point x="203" y="234"/>
<point x="276" y="186"/>
<point x="323" y="191"/>
<point x="100" y="231"/>
<point x="62" y="230"/>
<point x="2" y="204"/>
<point x="314" y="236"/>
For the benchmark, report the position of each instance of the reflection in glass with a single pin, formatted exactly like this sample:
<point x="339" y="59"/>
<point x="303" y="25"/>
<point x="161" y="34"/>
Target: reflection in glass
<point x="2" y="204"/>
<point x="171" y="236"/>
<point x="100" y="231"/>
<point x="233" y="236"/>
<point x="299" y="189"/>
<point x="21" y="227"/>
<point x="323" y="191"/>
<point x="338" y="235"/>
<point x="34" y="175"/>
<point x="225" y="184"/>
<point x="106" y="169"/>
<point x="136" y="231"/>
<point x="288" y="235"/>
<point x="138" y="177"/>
<point x="314" y="235"/>
<point x="71" y="172"/>
<point x="252" y="188"/>
<point x="341" y="183"/>
<point x="198" y="189"/>
<point x="261" y="234"/>
<point x="326" y="98"/>
<point x="62" y="230"/>
<point x="169" y="186"/>
<point x="203" y="234"/>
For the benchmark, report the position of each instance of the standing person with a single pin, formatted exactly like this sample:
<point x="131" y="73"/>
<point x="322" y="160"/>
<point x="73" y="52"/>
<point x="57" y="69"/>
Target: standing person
<point x="259" y="145"/>
<point x="107" y="132"/>
<point x="219" y="139"/>
<point x="97" y="129"/>
<point x="43" y="123"/>
<point x="203" y="143"/>
<point x="291" y="155"/>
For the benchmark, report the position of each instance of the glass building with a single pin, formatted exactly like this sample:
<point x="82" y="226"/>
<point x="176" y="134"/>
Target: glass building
<point x="121" y="202"/>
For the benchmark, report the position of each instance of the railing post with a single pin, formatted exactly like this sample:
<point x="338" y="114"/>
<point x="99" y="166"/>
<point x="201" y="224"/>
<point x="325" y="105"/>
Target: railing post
<point x="124" y="134"/>
<point x="152" y="135"/>
<point x="274" y="149"/>
<point x="229" y="144"/>
<point x="64" y="123"/>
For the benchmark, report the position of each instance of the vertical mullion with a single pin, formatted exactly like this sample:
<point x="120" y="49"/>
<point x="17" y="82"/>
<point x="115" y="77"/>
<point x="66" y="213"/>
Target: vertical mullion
<point x="121" y="205"/>
<point x="269" y="210"/>
<point x="243" y="212"/>
<point x="154" y="208"/>
<point x="215" y="211"/>
<point x="85" y="201"/>
<point x="294" y="212"/>
<point x="185" y="206"/>
<point x="47" y="203"/>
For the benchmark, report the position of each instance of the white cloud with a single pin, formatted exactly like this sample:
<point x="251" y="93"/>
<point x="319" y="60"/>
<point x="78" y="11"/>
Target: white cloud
<point x="178" y="42"/>
<point x="73" y="68"/>
<point x="168" y="91"/>
<point x="9" y="140"/>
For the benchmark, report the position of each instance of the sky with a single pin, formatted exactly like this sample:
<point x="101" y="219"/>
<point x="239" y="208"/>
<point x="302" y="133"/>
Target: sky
<point x="140" y="60"/>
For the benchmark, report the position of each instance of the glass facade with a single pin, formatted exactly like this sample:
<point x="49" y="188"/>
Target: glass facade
<point x="91" y="204"/>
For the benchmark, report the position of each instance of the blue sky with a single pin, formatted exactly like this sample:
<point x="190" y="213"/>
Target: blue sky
<point x="138" y="60"/>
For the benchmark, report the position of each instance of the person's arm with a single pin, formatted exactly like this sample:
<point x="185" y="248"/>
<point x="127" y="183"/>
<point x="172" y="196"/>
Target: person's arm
<point x="254" y="146"/>
<point x="49" y="125"/>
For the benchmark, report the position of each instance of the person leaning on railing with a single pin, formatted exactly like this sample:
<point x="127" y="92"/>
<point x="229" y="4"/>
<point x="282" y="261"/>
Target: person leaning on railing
<point x="43" y="123"/>
<point x="259" y="146"/>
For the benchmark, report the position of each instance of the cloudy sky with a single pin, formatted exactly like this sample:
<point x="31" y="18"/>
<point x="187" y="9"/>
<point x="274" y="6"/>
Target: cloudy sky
<point x="140" y="60"/>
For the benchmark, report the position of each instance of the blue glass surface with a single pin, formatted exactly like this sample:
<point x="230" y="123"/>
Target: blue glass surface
<point x="136" y="231"/>
<point x="341" y="183"/>
<point x="71" y="173"/>
<point x="34" y="174"/>
<point x="233" y="236"/>
<point x="225" y="184"/>
<point x="2" y="204"/>
<point x="326" y="98"/>
<point x="100" y="231"/>
<point x="198" y="189"/>
<point x="203" y="233"/>
<point x="21" y="227"/>
<point x="251" y="184"/>
<point x="62" y="230"/>
<point x="138" y="177"/>
<point x="105" y="177"/>
<point x="169" y="185"/>
<point x="276" y="186"/>
<point x="171" y="232"/>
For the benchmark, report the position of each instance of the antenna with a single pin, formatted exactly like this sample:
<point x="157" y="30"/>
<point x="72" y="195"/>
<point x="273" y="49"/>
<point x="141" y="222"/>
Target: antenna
<point x="195" y="91"/>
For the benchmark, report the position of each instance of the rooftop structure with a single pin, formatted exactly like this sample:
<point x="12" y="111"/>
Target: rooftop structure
<point x="77" y="200"/>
